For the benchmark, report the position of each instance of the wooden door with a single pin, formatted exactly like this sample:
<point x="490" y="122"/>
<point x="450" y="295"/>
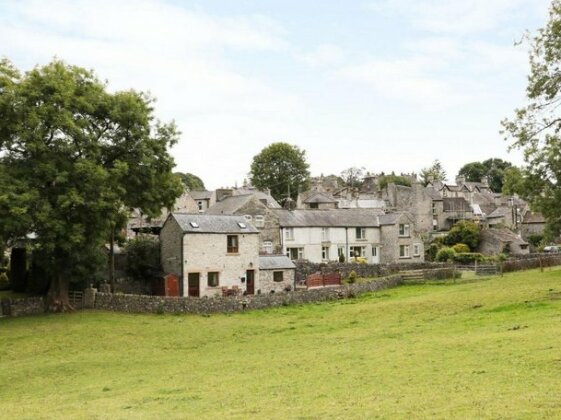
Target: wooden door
<point x="250" y="279"/>
<point x="193" y="284"/>
<point x="171" y="285"/>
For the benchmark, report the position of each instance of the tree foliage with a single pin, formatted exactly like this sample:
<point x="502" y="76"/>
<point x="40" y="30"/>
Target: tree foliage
<point x="384" y="180"/>
<point x="143" y="258"/>
<point x="535" y="127"/>
<point x="353" y="176"/>
<point x="74" y="159"/>
<point x="494" y="169"/>
<point x="192" y="182"/>
<point x="282" y="168"/>
<point x="464" y="232"/>
<point x="435" y="172"/>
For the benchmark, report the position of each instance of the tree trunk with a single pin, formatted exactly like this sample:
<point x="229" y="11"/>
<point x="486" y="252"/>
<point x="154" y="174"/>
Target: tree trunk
<point x="57" y="297"/>
<point x="112" y="260"/>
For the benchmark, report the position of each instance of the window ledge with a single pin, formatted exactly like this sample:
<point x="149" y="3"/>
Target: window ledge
<point x="404" y="258"/>
<point x="232" y="254"/>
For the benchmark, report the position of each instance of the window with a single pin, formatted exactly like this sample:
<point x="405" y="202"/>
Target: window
<point x="341" y="251"/>
<point x="374" y="250"/>
<point x="242" y="225"/>
<point x="289" y="234"/>
<point x="212" y="279"/>
<point x="325" y="234"/>
<point x="232" y="244"/>
<point x="314" y="205"/>
<point x="360" y="233"/>
<point x="404" y="230"/>
<point x="404" y="251"/>
<point x="278" y="276"/>
<point x="358" y="251"/>
<point x="295" y="253"/>
<point x="434" y="209"/>
<point x="200" y="205"/>
<point x="416" y="250"/>
<point x="259" y="221"/>
<point x="324" y="252"/>
<point x="267" y="247"/>
<point x="194" y="224"/>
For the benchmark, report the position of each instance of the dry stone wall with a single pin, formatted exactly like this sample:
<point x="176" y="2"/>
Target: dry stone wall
<point x="161" y="304"/>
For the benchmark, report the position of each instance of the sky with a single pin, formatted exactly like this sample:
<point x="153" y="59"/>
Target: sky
<point x="388" y="85"/>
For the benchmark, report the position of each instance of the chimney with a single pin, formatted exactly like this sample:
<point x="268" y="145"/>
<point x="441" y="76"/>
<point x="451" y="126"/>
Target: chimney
<point x="485" y="180"/>
<point x="460" y="179"/>
<point x="222" y="193"/>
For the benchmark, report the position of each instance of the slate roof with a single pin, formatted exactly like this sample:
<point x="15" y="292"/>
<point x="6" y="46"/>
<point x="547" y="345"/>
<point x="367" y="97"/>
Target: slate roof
<point x="209" y="223"/>
<point x="319" y="197"/>
<point x="329" y="218"/>
<point x="433" y="194"/>
<point x="269" y="201"/>
<point x="504" y="235"/>
<point x="500" y="212"/>
<point x="230" y="205"/>
<point x="201" y="195"/>
<point x="456" y="204"/>
<point x="532" y="217"/>
<point x="275" y="262"/>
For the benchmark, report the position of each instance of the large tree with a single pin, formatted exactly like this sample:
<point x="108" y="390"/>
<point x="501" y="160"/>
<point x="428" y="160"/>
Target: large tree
<point x="536" y="126"/>
<point x="192" y="182"/>
<point x="74" y="159"/>
<point x="493" y="168"/>
<point x="353" y="176"/>
<point x="435" y="172"/>
<point x="282" y="168"/>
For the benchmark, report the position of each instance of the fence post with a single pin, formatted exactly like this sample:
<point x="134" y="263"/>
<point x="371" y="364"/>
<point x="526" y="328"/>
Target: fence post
<point x="541" y="264"/>
<point x="475" y="266"/>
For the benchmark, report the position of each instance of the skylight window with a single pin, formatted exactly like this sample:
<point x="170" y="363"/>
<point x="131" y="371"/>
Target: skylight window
<point x="194" y="224"/>
<point x="242" y="225"/>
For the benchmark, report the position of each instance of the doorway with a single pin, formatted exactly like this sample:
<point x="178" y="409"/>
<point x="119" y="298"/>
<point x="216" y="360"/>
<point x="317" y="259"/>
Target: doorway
<point x="193" y="280"/>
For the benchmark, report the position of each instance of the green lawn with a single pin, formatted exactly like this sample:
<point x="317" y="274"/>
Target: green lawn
<point x="489" y="348"/>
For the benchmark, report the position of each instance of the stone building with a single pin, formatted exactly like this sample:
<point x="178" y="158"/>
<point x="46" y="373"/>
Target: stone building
<point x="497" y="240"/>
<point x="367" y="234"/>
<point x="276" y="273"/>
<point x="210" y="252"/>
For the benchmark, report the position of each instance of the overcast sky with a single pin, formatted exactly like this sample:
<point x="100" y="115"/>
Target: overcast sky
<point x="384" y="84"/>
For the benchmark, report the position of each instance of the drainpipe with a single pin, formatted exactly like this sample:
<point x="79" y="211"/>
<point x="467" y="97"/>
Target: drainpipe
<point x="347" y="243"/>
<point x="182" y="284"/>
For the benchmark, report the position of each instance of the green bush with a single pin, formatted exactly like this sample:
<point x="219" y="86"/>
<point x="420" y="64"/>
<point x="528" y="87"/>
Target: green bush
<point x="468" y="257"/>
<point x="432" y="250"/>
<point x="461" y="248"/>
<point x="353" y="277"/>
<point x="464" y="232"/>
<point x="536" y="240"/>
<point x="445" y="254"/>
<point x="143" y="256"/>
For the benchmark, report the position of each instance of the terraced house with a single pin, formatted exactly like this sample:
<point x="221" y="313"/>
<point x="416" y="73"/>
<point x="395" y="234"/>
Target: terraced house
<point x="366" y="234"/>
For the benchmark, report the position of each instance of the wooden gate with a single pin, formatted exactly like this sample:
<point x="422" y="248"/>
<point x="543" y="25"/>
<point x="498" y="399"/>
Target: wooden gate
<point x="322" y="280"/>
<point x="76" y="299"/>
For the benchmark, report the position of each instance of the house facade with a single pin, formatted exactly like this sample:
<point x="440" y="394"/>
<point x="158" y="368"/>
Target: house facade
<point x="365" y="234"/>
<point x="209" y="253"/>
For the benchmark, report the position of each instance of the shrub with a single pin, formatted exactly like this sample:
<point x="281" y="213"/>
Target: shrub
<point x="536" y="240"/>
<point x="341" y="258"/>
<point x="18" y="269"/>
<point x="464" y="232"/>
<point x="353" y="277"/>
<point x="143" y="255"/>
<point x="468" y="257"/>
<point x="445" y="254"/>
<point x="432" y="250"/>
<point x="461" y="248"/>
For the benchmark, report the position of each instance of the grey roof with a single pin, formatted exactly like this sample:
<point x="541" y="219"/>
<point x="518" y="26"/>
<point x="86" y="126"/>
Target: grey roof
<point x="209" y="223"/>
<point x="389" y="219"/>
<point x="201" y="195"/>
<point x="329" y="218"/>
<point x="262" y="196"/>
<point x="500" y="212"/>
<point x="230" y="205"/>
<point x="433" y="194"/>
<point x="275" y="262"/>
<point x="531" y="217"/>
<point x="319" y="197"/>
<point x="504" y="235"/>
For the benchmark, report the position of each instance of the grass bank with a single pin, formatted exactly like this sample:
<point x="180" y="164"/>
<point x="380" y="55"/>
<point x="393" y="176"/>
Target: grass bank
<point x="487" y="348"/>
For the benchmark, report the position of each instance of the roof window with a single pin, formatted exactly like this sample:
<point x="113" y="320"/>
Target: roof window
<point x="194" y="224"/>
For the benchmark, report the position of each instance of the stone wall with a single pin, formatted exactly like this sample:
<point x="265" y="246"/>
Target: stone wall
<point x="22" y="306"/>
<point x="160" y="304"/>
<point x="305" y="268"/>
<point x="268" y="285"/>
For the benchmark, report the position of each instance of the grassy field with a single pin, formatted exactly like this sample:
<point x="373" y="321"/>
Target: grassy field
<point x="489" y="348"/>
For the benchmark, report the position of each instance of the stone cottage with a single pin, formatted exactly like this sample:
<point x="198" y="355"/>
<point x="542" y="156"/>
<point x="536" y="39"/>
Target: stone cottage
<point x="211" y="253"/>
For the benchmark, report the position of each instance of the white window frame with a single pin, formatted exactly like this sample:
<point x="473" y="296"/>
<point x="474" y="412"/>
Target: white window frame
<point x="404" y="251"/>
<point x="360" y="233"/>
<point x="404" y="230"/>
<point x="325" y="253"/>
<point x="416" y="250"/>
<point x="289" y="234"/>
<point x="374" y="251"/>
<point x="362" y="251"/>
<point x="324" y="234"/>
<point x="259" y="220"/>
<point x="299" y="252"/>
<point x="267" y="247"/>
